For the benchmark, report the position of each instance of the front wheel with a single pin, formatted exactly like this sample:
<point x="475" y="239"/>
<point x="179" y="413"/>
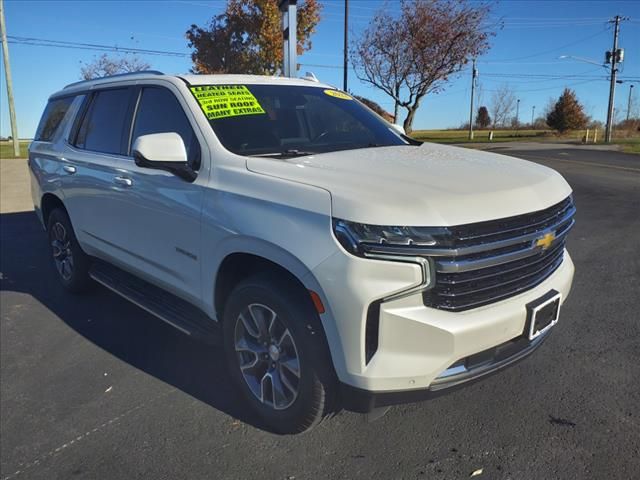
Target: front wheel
<point x="277" y="353"/>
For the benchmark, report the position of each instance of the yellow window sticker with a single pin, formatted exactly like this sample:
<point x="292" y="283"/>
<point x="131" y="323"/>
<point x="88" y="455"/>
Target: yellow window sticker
<point x="222" y="101"/>
<point x="338" y="94"/>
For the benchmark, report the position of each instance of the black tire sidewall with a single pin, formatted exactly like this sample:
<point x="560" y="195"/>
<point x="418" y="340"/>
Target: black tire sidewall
<point x="315" y="380"/>
<point x="80" y="280"/>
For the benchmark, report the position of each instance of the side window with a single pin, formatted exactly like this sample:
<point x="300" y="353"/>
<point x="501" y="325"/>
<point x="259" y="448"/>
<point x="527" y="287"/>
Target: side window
<point x="104" y="122"/>
<point x="52" y="117"/>
<point x="159" y="112"/>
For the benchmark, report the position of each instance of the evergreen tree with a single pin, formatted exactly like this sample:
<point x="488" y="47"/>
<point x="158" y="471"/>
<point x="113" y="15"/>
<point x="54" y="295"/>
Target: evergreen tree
<point x="483" y="120"/>
<point x="567" y="113"/>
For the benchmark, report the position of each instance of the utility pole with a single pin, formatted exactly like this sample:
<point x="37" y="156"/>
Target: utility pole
<point x="517" y="114"/>
<point x="629" y="102"/>
<point x="614" y="57"/>
<point x="346" y="45"/>
<point x="289" y="29"/>
<point x="7" y="70"/>
<point x="474" y="74"/>
<point x="533" y="112"/>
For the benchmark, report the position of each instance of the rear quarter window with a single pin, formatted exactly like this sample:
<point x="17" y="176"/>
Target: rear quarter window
<point x="52" y="117"/>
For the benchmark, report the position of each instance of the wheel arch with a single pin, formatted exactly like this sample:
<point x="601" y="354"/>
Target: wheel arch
<point x="251" y="256"/>
<point x="48" y="204"/>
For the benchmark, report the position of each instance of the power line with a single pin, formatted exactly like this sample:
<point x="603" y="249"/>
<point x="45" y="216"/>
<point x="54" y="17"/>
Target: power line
<point x="43" y="42"/>
<point x="554" y="49"/>
<point x="35" y="41"/>
<point x="543" y="75"/>
<point x="547" y="88"/>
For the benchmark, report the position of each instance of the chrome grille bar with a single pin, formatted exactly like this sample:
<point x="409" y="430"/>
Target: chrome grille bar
<point x="499" y="259"/>
<point x="447" y="266"/>
<point x="564" y="206"/>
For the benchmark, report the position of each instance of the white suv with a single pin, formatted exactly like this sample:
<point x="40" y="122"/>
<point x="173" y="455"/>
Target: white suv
<point x="340" y="263"/>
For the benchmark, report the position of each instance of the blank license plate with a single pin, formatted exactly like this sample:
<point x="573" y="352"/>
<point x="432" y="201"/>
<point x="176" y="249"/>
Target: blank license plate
<point x="543" y="314"/>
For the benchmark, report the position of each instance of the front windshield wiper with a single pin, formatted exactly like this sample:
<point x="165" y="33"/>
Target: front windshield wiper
<point x="292" y="152"/>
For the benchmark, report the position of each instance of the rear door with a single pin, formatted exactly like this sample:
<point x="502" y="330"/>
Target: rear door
<point x="45" y="157"/>
<point x="162" y="211"/>
<point x="90" y="185"/>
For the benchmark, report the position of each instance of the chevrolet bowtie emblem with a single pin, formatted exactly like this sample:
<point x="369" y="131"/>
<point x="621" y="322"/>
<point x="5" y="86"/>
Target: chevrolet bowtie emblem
<point x="546" y="241"/>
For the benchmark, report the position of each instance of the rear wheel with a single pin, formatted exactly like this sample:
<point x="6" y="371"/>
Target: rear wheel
<point x="277" y="353"/>
<point x="70" y="262"/>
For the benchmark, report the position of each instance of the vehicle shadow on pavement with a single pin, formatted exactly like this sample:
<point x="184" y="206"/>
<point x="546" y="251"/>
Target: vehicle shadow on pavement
<point x="114" y="324"/>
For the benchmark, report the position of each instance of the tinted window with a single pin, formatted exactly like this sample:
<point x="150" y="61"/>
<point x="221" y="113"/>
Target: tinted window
<point x="292" y="120"/>
<point x="159" y="112"/>
<point x="52" y="118"/>
<point x="104" y="122"/>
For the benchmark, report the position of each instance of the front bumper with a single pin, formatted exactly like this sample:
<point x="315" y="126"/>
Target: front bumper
<point x="418" y="344"/>
<point x="488" y="363"/>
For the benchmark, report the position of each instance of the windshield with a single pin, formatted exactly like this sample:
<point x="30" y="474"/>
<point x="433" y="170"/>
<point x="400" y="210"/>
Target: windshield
<point x="285" y="120"/>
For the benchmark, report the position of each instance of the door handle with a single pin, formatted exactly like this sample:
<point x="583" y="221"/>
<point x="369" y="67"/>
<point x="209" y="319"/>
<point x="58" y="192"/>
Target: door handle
<point x="70" y="169"/>
<point x="123" y="181"/>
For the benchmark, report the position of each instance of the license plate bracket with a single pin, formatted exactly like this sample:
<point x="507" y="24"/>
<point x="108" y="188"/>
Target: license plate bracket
<point x="542" y="314"/>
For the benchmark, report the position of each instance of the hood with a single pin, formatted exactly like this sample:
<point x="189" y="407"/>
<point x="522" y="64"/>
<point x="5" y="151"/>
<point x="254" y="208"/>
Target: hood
<point x="426" y="185"/>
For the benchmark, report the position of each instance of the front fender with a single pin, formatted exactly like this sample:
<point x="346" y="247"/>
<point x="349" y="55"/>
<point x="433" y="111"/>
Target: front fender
<point x="283" y="258"/>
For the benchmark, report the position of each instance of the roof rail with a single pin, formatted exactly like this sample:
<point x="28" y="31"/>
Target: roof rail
<point x="118" y="75"/>
<point x="310" y="76"/>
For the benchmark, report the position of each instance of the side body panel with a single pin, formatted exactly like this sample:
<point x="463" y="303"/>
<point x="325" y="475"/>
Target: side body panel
<point x="160" y="237"/>
<point x="89" y="196"/>
<point x="46" y="161"/>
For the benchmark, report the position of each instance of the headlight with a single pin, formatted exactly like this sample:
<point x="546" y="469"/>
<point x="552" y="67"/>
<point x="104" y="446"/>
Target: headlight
<point x="370" y="240"/>
<point x="399" y="244"/>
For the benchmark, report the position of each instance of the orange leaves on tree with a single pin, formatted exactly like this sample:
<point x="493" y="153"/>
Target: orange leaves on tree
<point x="247" y="37"/>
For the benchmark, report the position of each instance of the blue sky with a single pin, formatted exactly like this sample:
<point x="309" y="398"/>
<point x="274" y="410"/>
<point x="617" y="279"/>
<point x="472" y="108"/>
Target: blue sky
<point x="535" y="34"/>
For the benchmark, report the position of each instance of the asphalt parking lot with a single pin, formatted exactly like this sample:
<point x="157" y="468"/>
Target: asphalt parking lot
<point x="93" y="387"/>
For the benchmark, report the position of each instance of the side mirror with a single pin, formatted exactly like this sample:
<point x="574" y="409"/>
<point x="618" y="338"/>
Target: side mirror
<point x="398" y="128"/>
<point x="163" y="151"/>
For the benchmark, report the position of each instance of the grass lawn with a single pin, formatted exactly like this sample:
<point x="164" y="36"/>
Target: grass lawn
<point x="629" y="145"/>
<point x="6" y="149"/>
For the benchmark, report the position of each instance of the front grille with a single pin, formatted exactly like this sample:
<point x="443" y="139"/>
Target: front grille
<point x="494" y="260"/>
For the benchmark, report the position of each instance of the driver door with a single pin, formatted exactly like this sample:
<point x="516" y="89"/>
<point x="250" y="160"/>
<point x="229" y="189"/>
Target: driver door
<point x="162" y="212"/>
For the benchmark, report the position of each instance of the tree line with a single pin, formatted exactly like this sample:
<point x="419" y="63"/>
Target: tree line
<point x="565" y="113"/>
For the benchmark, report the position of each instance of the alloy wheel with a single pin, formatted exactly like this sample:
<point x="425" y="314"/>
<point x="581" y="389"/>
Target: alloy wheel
<point x="61" y="246"/>
<point x="268" y="356"/>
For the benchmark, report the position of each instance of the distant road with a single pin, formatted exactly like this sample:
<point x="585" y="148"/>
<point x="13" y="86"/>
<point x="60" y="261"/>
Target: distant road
<point x="604" y="156"/>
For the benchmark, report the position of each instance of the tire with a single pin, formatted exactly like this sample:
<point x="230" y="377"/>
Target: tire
<point x="286" y="402"/>
<point x="71" y="264"/>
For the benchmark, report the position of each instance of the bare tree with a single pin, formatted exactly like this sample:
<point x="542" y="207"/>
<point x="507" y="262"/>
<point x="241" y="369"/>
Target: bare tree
<point x="105" y="65"/>
<point x="416" y="53"/>
<point x="382" y="53"/>
<point x="548" y="108"/>
<point x="503" y="103"/>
